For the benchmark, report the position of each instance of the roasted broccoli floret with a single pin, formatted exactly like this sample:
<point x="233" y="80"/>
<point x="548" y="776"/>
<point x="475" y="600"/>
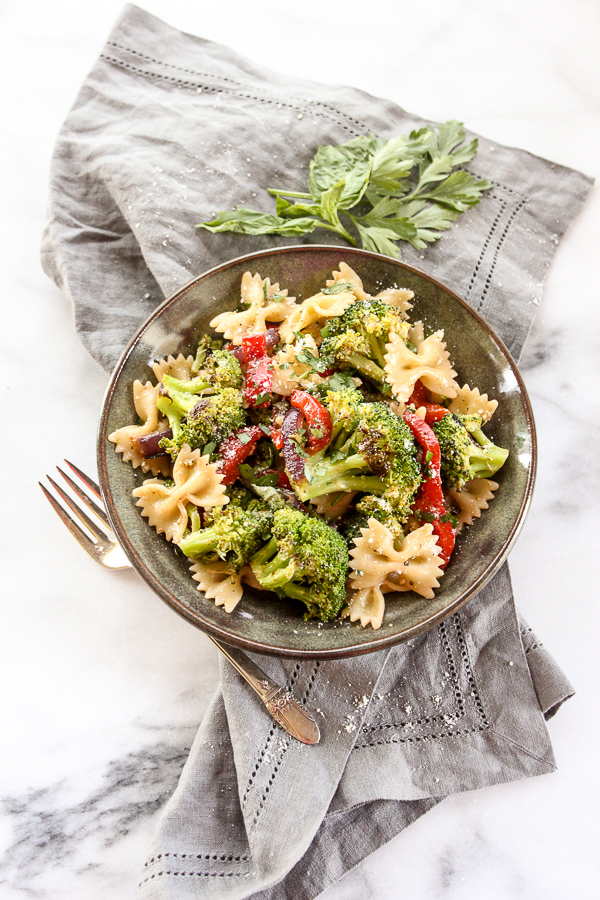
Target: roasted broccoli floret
<point x="307" y="560"/>
<point x="201" y="423"/>
<point x="371" y="507"/>
<point x="238" y="494"/>
<point x="234" y="533"/>
<point x="344" y="408"/>
<point x="378" y="457"/>
<point x="357" y="339"/>
<point x="465" y="450"/>
<point x="222" y="370"/>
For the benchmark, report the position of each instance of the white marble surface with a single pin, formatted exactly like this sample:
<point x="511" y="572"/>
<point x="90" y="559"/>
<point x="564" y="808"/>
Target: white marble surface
<point x="102" y="685"/>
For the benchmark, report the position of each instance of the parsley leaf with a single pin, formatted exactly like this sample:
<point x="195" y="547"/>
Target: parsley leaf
<point x="308" y="358"/>
<point x="375" y="192"/>
<point x="337" y="287"/>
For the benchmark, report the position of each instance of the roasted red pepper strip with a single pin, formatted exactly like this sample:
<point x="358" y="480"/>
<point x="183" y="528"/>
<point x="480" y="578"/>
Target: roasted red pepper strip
<point x="430" y="499"/>
<point x="317" y="418"/>
<point x="446" y="535"/>
<point x="276" y="437"/>
<point x="259" y="371"/>
<point x="255" y="347"/>
<point x="433" y="411"/>
<point x="259" y="383"/>
<point x="234" y="451"/>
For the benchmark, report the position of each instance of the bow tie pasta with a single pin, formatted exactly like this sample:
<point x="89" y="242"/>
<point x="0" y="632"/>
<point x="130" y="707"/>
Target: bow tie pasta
<point x="319" y="451"/>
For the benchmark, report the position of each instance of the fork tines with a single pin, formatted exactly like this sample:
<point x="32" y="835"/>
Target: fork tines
<point x="99" y="540"/>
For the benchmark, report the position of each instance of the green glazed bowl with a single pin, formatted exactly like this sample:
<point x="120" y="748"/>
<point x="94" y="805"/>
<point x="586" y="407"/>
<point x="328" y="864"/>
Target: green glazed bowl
<point x="261" y="622"/>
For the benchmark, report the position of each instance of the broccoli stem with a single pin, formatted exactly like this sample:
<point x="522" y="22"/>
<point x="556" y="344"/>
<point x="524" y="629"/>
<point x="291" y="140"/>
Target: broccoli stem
<point x="343" y="466"/>
<point x="175" y="407"/>
<point x="298" y="592"/>
<point x="272" y="573"/>
<point x="199" y="543"/>
<point x="366" y="367"/>
<point x="193" y="386"/>
<point x="492" y="457"/>
<point x="275" y="574"/>
<point x="265" y="553"/>
<point x="370" y="484"/>
<point x="376" y="350"/>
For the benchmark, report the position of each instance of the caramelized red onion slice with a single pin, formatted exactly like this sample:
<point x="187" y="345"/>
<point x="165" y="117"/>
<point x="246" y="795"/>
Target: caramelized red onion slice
<point x="149" y="444"/>
<point x="272" y="337"/>
<point x="294" y="463"/>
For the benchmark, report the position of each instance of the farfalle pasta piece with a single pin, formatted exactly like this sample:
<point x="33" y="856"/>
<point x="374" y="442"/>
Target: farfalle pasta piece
<point x="398" y="297"/>
<point x="176" y="366"/>
<point x="219" y="583"/>
<point x="431" y="364"/>
<point x="222" y="585"/>
<point x="196" y="481"/>
<point x="346" y="275"/>
<point x="314" y="309"/>
<point x="265" y="302"/>
<point x="288" y="372"/>
<point x="366" y="606"/>
<point x="374" y="560"/>
<point x="469" y="401"/>
<point x="472" y="498"/>
<point x="125" y="439"/>
<point x="416" y="334"/>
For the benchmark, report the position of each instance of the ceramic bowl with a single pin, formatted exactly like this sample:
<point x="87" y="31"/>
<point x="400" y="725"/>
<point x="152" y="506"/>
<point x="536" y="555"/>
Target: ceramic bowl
<point x="261" y="622"/>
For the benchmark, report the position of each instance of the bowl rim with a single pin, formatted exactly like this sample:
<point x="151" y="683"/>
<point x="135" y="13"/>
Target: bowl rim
<point x="378" y="642"/>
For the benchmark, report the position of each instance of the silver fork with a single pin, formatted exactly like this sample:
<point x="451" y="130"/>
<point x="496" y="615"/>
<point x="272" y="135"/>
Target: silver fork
<point x="104" y="548"/>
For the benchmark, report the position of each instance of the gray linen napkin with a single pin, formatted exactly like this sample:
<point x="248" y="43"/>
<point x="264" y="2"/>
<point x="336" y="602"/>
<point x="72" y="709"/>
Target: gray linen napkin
<point x="168" y="129"/>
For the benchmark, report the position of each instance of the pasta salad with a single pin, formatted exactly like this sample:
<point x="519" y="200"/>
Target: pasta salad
<point x="320" y="449"/>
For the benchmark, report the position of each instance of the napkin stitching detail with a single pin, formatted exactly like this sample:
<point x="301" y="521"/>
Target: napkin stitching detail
<point x="283" y="746"/>
<point x="262" y="754"/>
<point x="486" y="243"/>
<point x="284" y="743"/>
<point x="498" y="184"/>
<point x="239" y="85"/>
<point x="526" y="750"/>
<point x="536" y="644"/>
<point x="507" y="228"/>
<point x="459" y="710"/>
<point x="199" y="874"/>
<point x="242" y="92"/>
<point x="168" y="65"/>
<point x="484" y="723"/>
<point x="469" y="672"/>
<point x="242" y="85"/>
<point x="207" y="856"/>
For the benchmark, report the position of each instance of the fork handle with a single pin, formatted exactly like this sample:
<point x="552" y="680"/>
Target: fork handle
<point x="284" y="708"/>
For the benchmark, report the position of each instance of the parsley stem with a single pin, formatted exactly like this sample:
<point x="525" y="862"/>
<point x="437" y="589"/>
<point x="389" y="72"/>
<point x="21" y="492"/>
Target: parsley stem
<point x="338" y="229"/>
<point x="300" y="195"/>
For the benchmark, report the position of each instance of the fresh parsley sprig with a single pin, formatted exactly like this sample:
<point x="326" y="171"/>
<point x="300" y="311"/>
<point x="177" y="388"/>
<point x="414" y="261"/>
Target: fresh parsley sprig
<point x="374" y="192"/>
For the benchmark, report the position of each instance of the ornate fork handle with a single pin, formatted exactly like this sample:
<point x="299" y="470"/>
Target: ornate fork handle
<point x="284" y="708"/>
